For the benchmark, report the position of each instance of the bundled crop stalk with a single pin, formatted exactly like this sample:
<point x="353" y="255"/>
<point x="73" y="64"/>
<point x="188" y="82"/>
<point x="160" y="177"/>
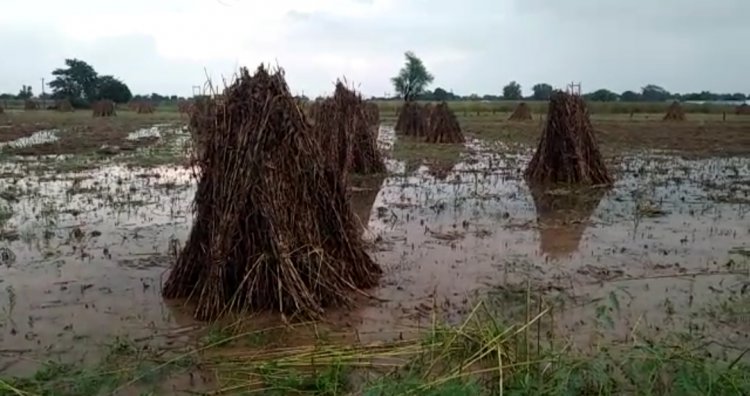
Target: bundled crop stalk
<point x="373" y="115"/>
<point x="412" y="120"/>
<point x="64" y="105"/>
<point x="443" y="127"/>
<point x="184" y="106"/>
<point x="522" y="112"/>
<point x="344" y="123"/>
<point x="273" y="226"/>
<point x="743" y="109"/>
<point x="145" y="108"/>
<point x="104" y="108"/>
<point x="29" y="104"/>
<point x="567" y="151"/>
<point x="675" y="112"/>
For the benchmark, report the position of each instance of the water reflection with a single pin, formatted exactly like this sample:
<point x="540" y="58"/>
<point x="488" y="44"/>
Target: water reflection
<point x="563" y="216"/>
<point x="364" y="194"/>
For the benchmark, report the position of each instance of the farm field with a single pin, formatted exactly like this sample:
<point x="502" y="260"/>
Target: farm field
<point x="568" y="291"/>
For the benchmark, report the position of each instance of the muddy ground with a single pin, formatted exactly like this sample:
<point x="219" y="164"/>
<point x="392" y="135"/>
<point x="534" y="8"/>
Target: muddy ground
<point x="93" y="210"/>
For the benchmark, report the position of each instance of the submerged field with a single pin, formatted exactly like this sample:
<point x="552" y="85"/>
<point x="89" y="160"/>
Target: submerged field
<point x="488" y="287"/>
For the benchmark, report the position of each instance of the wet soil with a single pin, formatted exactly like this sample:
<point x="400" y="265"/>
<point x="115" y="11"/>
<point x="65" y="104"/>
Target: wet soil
<point x="79" y="132"/>
<point x="656" y="250"/>
<point x="694" y="137"/>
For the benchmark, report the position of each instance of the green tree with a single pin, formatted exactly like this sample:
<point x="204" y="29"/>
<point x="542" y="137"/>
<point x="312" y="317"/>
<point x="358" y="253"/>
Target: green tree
<point x="77" y="82"/>
<point x="542" y="91"/>
<point x="113" y="89"/>
<point x="413" y="78"/>
<point x="25" y="92"/>
<point x="602" y="95"/>
<point x="441" y="94"/>
<point x="512" y="91"/>
<point x="654" y="93"/>
<point x="630" y="96"/>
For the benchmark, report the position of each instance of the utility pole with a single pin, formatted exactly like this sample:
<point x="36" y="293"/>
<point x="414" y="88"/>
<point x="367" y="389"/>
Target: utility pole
<point x="44" y="105"/>
<point x="574" y="88"/>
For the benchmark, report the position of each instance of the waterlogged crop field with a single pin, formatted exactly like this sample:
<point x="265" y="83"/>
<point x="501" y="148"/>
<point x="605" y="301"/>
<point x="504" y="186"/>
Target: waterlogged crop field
<point x="488" y="285"/>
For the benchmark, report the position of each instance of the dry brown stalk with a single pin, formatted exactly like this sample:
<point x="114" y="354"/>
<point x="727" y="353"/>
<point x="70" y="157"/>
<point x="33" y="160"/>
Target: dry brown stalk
<point x="567" y="151"/>
<point x="675" y="112"/>
<point x="443" y="126"/>
<point x="273" y="226"/>
<point x="104" y="108"/>
<point x="522" y="112"/>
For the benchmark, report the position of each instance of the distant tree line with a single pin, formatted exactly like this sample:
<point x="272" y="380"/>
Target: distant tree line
<point x="82" y="85"/>
<point x="79" y="83"/>
<point x="542" y="91"/>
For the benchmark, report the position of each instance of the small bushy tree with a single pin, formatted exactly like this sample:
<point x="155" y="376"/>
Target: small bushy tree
<point x="25" y="92"/>
<point x="542" y="91"/>
<point x="113" y="89"/>
<point x="412" y="79"/>
<point x="512" y="91"/>
<point x="602" y="95"/>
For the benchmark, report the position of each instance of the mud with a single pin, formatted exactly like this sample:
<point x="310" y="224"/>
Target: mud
<point x="654" y="250"/>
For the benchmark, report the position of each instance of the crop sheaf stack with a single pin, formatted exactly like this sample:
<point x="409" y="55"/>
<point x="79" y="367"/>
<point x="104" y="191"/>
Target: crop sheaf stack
<point x="29" y="104"/>
<point x="743" y="109"/>
<point x="442" y="126"/>
<point x="373" y="116"/>
<point x="64" y="105"/>
<point x="103" y="108"/>
<point x="674" y="112"/>
<point x="144" y="108"/>
<point x="567" y="151"/>
<point x="273" y="227"/>
<point x="521" y="113"/>
<point x="344" y="124"/>
<point x="412" y="120"/>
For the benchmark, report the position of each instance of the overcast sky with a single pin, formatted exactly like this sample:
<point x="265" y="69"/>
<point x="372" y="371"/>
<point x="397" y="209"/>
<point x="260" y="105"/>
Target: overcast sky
<point x="473" y="46"/>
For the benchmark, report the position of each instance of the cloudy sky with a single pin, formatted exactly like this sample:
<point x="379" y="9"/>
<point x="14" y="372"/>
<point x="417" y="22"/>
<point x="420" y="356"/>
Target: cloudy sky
<point x="473" y="46"/>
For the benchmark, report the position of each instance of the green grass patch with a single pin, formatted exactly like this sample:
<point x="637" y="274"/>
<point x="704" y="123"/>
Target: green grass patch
<point x="408" y="149"/>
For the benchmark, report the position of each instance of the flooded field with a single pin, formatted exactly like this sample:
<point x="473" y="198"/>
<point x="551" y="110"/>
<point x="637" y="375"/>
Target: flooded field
<point x="84" y="249"/>
<point x="84" y="253"/>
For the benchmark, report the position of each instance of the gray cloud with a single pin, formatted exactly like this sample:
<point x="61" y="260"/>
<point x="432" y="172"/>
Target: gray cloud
<point x="476" y="47"/>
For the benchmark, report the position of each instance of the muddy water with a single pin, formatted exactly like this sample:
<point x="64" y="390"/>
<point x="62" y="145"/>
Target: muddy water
<point x="88" y="251"/>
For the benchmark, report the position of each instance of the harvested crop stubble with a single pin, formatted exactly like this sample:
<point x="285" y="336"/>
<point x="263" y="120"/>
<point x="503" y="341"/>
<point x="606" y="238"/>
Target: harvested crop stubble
<point x="443" y="126"/>
<point x="521" y="113"/>
<point x="567" y="151"/>
<point x="412" y="120"/>
<point x="675" y="112"/>
<point x="104" y="108"/>
<point x="273" y="227"/>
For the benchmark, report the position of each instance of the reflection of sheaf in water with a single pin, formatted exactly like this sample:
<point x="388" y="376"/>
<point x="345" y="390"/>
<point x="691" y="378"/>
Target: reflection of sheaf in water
<point x="563" y="216"/>
<point x="363" y="197"/>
